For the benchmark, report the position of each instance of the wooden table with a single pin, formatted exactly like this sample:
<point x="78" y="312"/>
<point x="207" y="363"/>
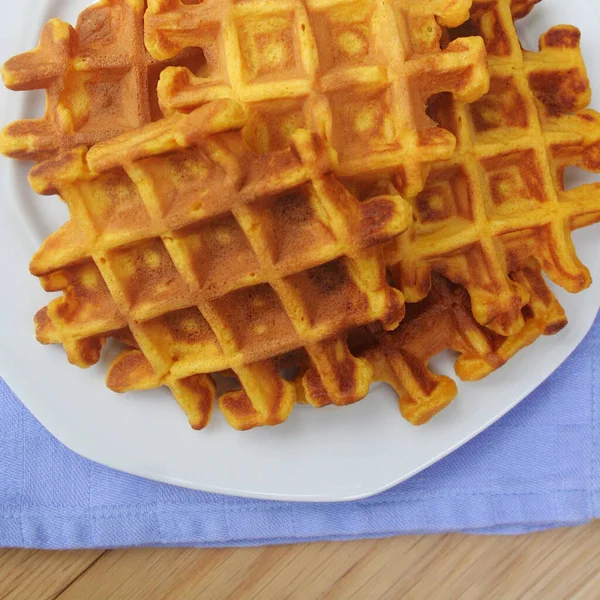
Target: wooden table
<point x="550" y="565"/>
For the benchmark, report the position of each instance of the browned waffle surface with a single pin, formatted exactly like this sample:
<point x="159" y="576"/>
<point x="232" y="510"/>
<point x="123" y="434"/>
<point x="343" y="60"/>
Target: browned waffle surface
<point x="98" y="77"/>
<point x="359" y="73"/>
<point x="501" y="198"/>
<point x="444" y="321"/>
<point x="216" y="259"/>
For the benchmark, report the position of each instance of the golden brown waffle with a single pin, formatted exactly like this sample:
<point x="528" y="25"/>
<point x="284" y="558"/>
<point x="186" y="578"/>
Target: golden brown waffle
<point x="216" y="259"/>
<point x="99" y="81"/>
<point x="501" y="199"/>
<point x="359" y="73"/>
<point x="444" y="321"/>
<point x="521" y="8"/>
<point x="206" y="258"/>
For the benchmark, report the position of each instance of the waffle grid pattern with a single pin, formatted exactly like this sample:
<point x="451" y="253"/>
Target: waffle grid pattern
<point x="225" y="260"/>
<point x="205" y="257"/>
<point x="501" y="199"/>
<point x="99" y="80"/>
<point x="357" y="73"/>
<point x="444" y="321"/>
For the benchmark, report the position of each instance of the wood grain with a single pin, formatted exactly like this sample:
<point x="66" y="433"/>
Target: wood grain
<point x="553" y="565"/>
<point x="41" y="575"/>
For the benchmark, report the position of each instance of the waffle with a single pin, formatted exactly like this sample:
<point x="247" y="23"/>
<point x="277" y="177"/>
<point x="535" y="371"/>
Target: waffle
<point x="444" y="321"/>
<point x="521" y="8"/>
<point x="98" y="78"/>
<point x="358" y="73"/>
<point x="501" y="199"/>
<point x="215" y="259"/>
<point x="219" y="241"/>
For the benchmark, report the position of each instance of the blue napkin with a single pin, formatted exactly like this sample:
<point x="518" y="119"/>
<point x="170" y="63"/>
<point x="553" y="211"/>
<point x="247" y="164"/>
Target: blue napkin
<point x="538" y="467"/>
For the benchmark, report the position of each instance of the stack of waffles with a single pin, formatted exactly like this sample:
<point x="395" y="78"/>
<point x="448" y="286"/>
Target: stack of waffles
<point x="303" y="197"/>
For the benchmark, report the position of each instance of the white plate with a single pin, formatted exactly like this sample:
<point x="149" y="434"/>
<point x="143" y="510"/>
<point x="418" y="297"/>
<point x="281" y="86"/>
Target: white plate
<point x="318" y="455"/>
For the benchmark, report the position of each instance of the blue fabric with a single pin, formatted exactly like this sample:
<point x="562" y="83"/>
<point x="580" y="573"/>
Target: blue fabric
<point x="538" y="467"/>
